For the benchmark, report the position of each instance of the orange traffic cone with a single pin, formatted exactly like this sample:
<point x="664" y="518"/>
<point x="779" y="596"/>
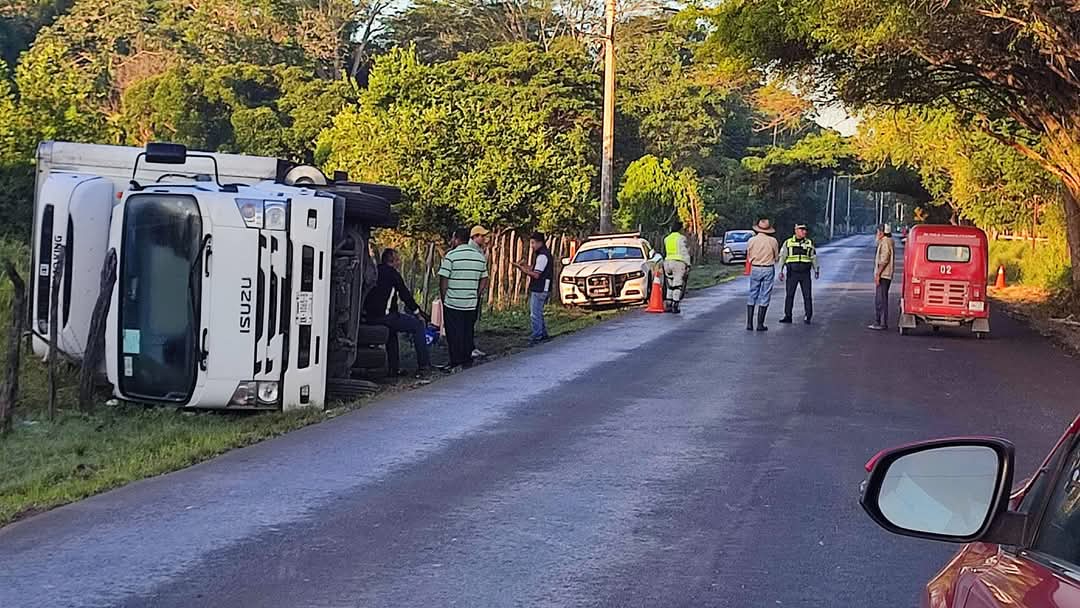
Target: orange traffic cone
<point x="656" y="294"/>
<point x="1000" y="284"/>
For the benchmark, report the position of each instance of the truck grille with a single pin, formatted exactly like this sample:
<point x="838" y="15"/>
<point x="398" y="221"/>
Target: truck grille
<point x="946" y="293"/>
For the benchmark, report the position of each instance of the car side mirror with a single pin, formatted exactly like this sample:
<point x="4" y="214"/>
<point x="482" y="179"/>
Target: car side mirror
<point x="565" y="261"/>
<point x="953" y="490"/>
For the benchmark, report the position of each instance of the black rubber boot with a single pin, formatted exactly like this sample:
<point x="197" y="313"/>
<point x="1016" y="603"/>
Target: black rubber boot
<point x="749" y="318"/>
<point x="761" y="318"/>
<point x="785" y="320"/>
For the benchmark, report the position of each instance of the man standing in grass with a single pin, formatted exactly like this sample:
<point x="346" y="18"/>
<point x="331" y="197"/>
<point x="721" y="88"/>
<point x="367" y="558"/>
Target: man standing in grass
<point x="462" y="275"/>
<point x="539" y="286"/>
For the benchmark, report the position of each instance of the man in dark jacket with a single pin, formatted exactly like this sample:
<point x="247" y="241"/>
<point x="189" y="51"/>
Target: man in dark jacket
<point x="540" y="275"/>
<point x="381" y="308"/>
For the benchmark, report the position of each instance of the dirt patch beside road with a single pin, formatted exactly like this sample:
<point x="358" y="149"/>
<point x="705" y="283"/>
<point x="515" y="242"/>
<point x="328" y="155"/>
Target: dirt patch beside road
<point x="1052" y="315"/>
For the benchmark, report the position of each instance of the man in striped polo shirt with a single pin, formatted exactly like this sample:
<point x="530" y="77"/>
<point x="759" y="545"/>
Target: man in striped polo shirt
<point x="462" y="276"/>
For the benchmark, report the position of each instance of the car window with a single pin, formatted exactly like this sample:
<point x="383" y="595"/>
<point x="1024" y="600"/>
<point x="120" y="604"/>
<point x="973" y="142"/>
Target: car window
<point x="948" y="253"/>
<point x="599" y="254"/>
<point x="1059" y="532"/>
<point x="737" y="237"/>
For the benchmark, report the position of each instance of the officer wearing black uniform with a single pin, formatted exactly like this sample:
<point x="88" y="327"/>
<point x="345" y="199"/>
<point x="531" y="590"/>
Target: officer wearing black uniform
<point x="798" y="258"/>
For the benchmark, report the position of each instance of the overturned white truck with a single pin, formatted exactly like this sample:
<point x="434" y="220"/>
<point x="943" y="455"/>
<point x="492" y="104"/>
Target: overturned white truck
<point x="240" y="279"/>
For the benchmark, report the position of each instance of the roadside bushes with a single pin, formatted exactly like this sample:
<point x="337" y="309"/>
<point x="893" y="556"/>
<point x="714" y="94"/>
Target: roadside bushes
<point x="1046" y="266"/>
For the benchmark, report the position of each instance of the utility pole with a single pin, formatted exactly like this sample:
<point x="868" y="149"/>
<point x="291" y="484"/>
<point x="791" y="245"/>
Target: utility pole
<point x="848" y="217"/>
<point x="607" y="162"/>
<point x="832" y="213"/>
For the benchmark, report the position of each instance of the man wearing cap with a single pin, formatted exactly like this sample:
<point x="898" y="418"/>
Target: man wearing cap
<point x="462" y="276"/>
<point x="884" y="265"/>
<point x="797" y="258"/>
<point x="762" y="253"/>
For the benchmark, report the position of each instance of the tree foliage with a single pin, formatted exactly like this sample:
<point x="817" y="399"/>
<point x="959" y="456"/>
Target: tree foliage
<point x="1011" y="69"/>
<point x="504" y="137"/>
<point x="971" y="172"/>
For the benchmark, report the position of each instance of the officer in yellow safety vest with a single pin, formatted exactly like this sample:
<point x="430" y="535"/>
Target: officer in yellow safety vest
<point x="676" y="266"/>
<point x="798" y="257"/>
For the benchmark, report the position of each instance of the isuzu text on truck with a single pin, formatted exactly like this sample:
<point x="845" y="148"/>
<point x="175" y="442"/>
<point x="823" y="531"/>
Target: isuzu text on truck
<point x="240" y="279"/>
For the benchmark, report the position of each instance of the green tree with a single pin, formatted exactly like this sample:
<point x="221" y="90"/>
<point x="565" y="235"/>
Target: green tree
<point x="975" y="175"/>
<point x="506" y="136"/>
<point x="1010" y="68"/>
<point x="269" y="111"/>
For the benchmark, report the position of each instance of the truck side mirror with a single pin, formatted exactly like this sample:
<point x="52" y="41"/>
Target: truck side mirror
<point x="953" y="490"/>
<point x="166" y="154"/>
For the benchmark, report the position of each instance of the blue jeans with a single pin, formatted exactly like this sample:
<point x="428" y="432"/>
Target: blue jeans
<point x="537" y="299"/>
<point x="761" y="284"/>
<point x="397" y="323"/>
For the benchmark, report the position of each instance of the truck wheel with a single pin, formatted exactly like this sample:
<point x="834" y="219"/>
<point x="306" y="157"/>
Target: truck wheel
<point x="369" y="358"/>
<point x="980" y="335"/>
<point x="344" y="389"/>
<point x="372" y="335"/>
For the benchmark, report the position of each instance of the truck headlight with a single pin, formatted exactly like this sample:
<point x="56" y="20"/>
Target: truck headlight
<point x="270" y="215"/>
<point x="245" y="393"/>
<point x="567" y="280"/>
<point x="268" y="393"/>
<point x="274" y="215"/>
<point x="251" y="210"/>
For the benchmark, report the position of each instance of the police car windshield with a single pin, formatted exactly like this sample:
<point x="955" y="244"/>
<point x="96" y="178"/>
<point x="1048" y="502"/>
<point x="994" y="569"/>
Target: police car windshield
<point x="601" y="254"/>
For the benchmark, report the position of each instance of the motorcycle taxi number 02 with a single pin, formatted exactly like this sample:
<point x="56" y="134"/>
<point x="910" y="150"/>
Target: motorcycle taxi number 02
<point x="304" y="307"/>
<point x="946" y="269"/>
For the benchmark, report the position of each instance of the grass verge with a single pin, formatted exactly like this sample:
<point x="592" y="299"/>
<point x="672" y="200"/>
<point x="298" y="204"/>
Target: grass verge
<point x="44" y="464"/>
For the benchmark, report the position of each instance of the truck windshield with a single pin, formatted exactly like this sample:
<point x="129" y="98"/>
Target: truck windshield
<point x="158" y="294"/>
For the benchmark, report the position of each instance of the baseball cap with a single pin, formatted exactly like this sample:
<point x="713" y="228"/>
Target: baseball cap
<point x="478" y="230"/>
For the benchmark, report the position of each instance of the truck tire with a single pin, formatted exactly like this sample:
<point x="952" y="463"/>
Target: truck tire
<point x="346" y="389"/>
<point x="376" y="335"/>
<point x="366" y="208"/>
<point x="369" y="358"/>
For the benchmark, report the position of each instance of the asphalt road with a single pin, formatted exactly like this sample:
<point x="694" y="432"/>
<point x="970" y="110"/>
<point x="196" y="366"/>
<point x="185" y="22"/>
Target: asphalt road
<point x="650" y="461"/>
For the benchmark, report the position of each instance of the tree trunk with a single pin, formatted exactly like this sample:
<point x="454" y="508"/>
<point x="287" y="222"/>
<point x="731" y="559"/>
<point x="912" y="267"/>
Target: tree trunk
<point x="1072" y="233"/>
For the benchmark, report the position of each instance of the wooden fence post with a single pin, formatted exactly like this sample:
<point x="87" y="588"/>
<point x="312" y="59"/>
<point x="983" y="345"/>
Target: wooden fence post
<point x="95" y="340"/>
<point x="9" y="394"/>
<point x="427" y="276"/>
<point x="54" y="322"/>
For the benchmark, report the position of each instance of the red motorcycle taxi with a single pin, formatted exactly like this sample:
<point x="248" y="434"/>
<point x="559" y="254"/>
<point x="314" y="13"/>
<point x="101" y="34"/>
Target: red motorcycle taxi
<point x="945" y="270"/>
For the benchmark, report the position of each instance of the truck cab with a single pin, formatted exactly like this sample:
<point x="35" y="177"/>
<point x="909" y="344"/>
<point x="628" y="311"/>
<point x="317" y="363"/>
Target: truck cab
<point x="228" y="294"/>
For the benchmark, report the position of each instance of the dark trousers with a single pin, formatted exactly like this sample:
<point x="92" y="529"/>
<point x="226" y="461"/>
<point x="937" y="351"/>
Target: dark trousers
<point x="799" y="279"/>
<point x="408" y="324"/>
<point x="881" y="302"/>
<point x="459" y="334"/>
